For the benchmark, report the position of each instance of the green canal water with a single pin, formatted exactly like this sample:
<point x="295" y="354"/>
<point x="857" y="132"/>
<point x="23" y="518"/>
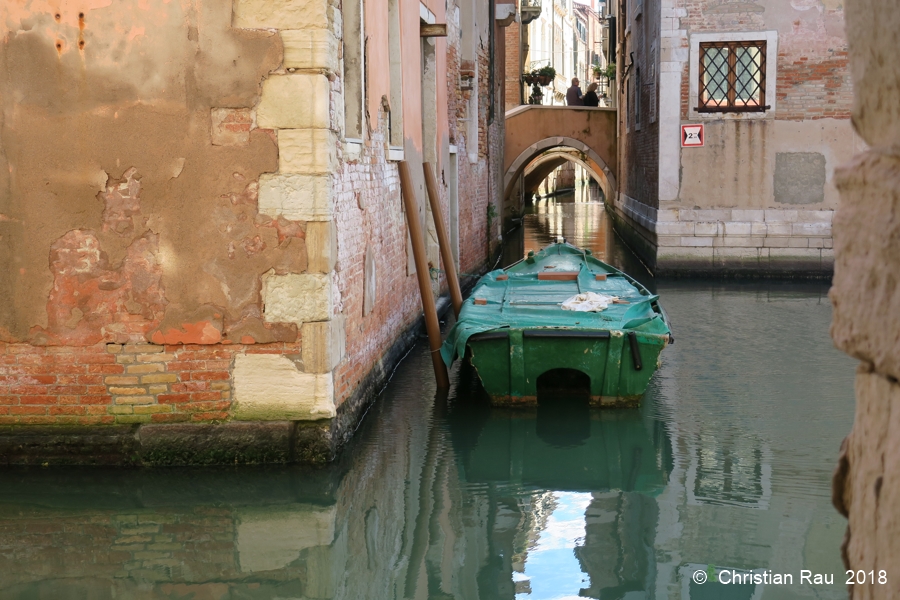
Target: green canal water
<point x="725" y="469"/>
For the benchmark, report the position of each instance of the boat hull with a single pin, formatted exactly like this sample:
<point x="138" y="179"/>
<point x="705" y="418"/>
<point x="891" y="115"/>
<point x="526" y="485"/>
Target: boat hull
<point x="618" y="364"/>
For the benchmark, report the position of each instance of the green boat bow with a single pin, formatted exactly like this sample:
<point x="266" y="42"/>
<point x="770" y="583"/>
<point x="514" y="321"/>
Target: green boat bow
<point x="516" y="329"/>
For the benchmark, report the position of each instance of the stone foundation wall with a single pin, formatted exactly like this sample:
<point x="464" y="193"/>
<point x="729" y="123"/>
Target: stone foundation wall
<point x="716" y="242"/>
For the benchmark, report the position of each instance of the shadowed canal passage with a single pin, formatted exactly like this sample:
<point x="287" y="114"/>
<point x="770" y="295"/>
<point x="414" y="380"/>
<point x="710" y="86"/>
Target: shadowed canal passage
<point x="727" y="463"/>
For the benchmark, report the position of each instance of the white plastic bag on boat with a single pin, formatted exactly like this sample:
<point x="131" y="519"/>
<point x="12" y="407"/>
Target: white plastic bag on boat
<point x="588" y="302"/>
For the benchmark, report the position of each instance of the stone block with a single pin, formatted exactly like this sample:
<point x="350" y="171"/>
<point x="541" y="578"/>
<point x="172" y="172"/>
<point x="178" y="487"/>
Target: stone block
<point x="820" y="229"/>
<point x="707" y="228"/>
<point x="816" y="242"/>
<point x="696" y="241"/>
<point x="296" y="298"/>
<point x="777" y="242"/>
<point x="799" y="177"/>
<point x="674" y="228"/>
<point x="714" y="214"/>
<point x="323" y="345"/>
<point x="737" y="228"/>
<point x="321" y="246"/>
<point x="759" y="228"/>
<point x="804" y="253"/>
<point x="310" y="49"/>
<point x="270" y="539"/>
<point x="270" y="387"/>
<point x="280" y="14"/>
<point x="668" y="240"/>
<point x="776" y="214"/>
<point x="307" y="151"/>
<point x="296" y="197"/>
<point x="798" y="242"/>
<point x="815" y="216"/>
<point x="744" y="241"/>
<point x="294" y="101"/>
<point x="668" y="214"/>
<point x="753" y="215"/>
<point x="778" y="228"/>
<point x="736" y="253"/>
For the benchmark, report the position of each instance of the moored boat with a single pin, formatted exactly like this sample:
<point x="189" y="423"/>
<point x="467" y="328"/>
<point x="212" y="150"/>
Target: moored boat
<point x="515" y="330"/>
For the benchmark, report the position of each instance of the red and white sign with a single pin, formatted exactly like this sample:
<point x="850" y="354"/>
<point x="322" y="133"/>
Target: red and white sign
<point x="691" y="136"/>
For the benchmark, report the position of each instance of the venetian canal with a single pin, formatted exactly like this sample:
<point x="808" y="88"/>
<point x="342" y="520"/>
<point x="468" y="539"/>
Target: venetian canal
<point x="727" y="463"/>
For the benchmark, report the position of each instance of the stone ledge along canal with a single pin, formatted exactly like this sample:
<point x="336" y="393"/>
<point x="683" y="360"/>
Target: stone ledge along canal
<point x="725" y="468"/>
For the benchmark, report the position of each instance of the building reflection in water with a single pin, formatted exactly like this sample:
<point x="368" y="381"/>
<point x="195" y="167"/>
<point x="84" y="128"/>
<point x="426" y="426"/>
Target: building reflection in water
<point x="446" y="497"/>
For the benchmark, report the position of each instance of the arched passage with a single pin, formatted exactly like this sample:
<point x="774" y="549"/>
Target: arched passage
<point x="534" y="130"/>
<point x="589" y="159"/>
<point x="541" y="166"/>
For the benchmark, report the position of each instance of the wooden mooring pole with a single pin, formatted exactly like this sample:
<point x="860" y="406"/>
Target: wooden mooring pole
<point x="428" y="305"/>
<point x="443" y="240"/>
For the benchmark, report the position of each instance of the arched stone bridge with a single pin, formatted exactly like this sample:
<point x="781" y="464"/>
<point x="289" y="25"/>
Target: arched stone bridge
<point x="539" y="138"/>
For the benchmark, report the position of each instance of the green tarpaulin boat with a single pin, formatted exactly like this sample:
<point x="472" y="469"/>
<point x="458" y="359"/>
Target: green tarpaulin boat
<point x="516" y="330"/>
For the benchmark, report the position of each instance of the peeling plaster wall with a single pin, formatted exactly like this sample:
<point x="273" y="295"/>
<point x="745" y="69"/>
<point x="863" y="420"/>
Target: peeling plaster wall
<point x="122" y="221"/>
<point x="178" y="200"/>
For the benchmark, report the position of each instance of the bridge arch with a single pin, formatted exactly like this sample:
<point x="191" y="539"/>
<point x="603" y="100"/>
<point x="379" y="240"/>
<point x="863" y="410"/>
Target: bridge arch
<point x="552" y="158"/>
<point x="532" y="131"/>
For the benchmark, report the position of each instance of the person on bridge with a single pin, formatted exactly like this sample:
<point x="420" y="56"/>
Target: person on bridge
<point x="573" y="95"/>
<point x="590" y="96"/>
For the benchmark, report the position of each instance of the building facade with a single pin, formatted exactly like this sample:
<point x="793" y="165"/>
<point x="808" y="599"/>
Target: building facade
<point x="733" y="116"/>
<point x="203" y="251"/>
<point x="563" y="34"/>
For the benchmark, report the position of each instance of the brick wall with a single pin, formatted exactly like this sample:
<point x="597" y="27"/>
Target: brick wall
<point x="813" y="78"/>
<point x="513" y="67"/>
<point x="640" y="147"/>
<point x="115" y="383"/>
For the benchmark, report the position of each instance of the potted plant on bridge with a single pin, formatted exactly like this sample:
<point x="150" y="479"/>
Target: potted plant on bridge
<point x="545" y="75"/>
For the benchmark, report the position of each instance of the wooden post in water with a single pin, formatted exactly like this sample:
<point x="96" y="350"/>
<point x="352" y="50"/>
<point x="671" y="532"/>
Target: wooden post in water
<point x="443" y="240"/>
<point x="418" y="243"/>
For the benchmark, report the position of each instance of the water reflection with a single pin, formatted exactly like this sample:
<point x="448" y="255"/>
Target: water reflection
<point x="727" y="462"/>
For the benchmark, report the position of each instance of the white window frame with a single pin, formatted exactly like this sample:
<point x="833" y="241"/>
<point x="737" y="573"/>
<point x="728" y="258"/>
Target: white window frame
<point x="771" y="39"/>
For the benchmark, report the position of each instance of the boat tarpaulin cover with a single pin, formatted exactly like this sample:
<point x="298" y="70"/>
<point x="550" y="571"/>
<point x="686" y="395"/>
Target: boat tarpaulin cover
<point x="519" y="300"/>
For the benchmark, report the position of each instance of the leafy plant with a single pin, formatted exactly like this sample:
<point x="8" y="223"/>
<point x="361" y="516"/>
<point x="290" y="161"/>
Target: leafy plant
<point x="547" y="71"/>
<point x="611" y="71"/>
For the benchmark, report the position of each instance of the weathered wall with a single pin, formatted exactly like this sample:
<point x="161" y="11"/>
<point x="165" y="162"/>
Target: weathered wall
<point x="185" y="232"/>
<point x="758" y="197"/>
<point x="865" y="297"/>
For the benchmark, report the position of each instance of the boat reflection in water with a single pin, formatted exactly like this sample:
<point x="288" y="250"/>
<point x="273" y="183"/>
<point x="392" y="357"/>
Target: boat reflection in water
<point x="569" y="493"/>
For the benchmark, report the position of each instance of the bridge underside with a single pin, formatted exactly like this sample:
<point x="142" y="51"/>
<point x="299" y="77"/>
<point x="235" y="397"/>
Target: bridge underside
<point x="540" y="138"/>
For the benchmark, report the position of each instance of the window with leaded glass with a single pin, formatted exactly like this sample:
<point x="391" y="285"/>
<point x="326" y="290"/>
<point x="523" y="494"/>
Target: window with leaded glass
<point x="732" y="77"/>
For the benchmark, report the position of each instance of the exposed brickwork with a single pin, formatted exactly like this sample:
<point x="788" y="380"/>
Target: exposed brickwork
<point x="640" y="146"/>
<point x="813" y="78"/>
<point x="513" y="67"/>
<point x="114" y="383"/>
